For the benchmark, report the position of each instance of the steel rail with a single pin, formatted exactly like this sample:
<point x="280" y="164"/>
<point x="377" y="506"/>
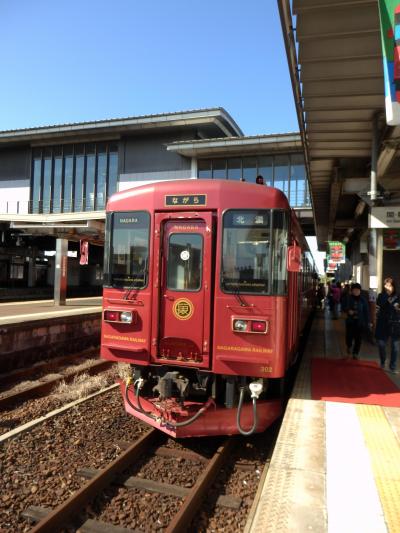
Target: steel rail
<point x="59" y="517"/>
<point x="193" y="501"/>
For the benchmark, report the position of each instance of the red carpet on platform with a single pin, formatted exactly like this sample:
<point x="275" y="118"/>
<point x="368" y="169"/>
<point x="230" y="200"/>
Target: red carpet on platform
<point x="350" y="381"/>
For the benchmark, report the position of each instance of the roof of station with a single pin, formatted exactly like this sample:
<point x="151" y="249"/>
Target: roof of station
<point x="213" y="122"/>
<point x="335" y="60"/>
<point x="252" y="144"/>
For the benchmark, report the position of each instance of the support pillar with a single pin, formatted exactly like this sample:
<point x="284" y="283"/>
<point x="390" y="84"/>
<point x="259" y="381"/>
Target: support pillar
<point x="32" y="267"/>
<point x="379" y="259"/>
<point x="193" y="168"/>
<point x="61" y="272"/>
<point x="375" y="248"/>
<point x="375" y="259"/>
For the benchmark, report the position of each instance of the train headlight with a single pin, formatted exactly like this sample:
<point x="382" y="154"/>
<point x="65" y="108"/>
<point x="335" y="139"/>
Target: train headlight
<point x="125" y="317"/>
<point x="240" y="325"/>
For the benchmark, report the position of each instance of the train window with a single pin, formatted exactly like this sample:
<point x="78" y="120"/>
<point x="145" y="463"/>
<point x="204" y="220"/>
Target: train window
<point x="246" y="251"/>
<point x="279" y="252"/>
<point x="129" y="249"/>
<point x="185" y="252"/>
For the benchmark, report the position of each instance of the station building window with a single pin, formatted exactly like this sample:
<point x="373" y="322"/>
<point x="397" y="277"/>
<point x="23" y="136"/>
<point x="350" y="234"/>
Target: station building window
<point x="73" y="177"/>
<point x="285" y="172"/>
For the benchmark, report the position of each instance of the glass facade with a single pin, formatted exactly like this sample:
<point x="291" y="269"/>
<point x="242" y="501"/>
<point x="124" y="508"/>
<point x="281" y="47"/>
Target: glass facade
<point x="285" y="172"/>
<point x="73" y="177"/>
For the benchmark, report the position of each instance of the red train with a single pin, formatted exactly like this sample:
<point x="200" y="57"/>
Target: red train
<point x="208" y="286"/>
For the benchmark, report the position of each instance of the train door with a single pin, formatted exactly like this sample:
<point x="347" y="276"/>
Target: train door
<point x="294" y="308"/>
<point x="185" y="268"/>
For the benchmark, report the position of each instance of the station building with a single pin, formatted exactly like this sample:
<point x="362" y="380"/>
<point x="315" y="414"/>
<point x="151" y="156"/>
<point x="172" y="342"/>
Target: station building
<point x="55" y="182"/>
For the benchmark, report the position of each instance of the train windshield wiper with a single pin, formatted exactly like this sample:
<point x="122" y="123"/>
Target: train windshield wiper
<point x="235" y="292"/>
<point x="135" y="278"/>
<point x="240" y="299"/>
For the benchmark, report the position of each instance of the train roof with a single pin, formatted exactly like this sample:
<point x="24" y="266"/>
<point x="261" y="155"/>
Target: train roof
<point x="220" y="194"/>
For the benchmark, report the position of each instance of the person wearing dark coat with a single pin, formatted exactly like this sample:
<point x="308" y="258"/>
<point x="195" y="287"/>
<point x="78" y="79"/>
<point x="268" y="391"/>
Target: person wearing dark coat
<point x="357" y="319"/>
<point x="388" y="323"/>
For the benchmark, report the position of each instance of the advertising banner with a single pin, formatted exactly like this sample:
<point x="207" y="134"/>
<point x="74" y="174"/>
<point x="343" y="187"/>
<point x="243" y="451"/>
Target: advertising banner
<point x="331" y="266"/>
<point x="84" y="250"/>
<point x="389" y="12"/>
<point x="391" y="239"/>
<point x="336" y="252"/>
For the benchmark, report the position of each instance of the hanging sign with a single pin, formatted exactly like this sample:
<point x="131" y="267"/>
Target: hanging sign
<point x="385" y="217"/>
<point x="391" y="239"/>
<point x="330" y="265"/>
<point x="389" y="12"/>
<point x="84" y="251"/>
<point x="337" y="252"/>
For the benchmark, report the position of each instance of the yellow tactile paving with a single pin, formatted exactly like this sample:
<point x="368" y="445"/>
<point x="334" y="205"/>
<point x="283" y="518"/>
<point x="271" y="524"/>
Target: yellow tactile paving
<point x="384" y="450"/>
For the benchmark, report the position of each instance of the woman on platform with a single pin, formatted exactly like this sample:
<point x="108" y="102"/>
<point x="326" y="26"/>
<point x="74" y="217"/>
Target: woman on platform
<point x="388" y="323"/>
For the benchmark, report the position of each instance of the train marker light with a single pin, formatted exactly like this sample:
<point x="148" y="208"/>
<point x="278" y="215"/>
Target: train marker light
<point x="118" y="316"/>
<point x="240" y="325"/>
<point x="258" y="326"/>
<point x="111" y="316"/>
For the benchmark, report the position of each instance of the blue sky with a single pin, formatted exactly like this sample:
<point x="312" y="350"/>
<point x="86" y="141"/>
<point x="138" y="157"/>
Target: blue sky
<point x="68" y="61"/>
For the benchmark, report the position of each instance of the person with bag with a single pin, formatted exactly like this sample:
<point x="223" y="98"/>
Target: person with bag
<point x="357" y="319"/>
<point x="388" y="323"/>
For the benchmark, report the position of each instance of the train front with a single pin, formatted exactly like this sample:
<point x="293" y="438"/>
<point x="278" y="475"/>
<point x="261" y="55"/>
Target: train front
<point x="190" y="304"/>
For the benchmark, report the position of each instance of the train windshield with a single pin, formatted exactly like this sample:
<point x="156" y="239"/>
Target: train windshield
<point x="254" y="252"/>
<point x="129" y="249"/>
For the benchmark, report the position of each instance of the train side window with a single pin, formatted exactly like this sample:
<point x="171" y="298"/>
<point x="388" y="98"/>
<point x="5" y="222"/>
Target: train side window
<point x="185" y="253"/>
<point x="279" y="252"/>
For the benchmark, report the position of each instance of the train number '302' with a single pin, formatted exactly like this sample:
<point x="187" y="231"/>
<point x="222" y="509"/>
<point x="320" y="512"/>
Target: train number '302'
<point x="266" y="369"/>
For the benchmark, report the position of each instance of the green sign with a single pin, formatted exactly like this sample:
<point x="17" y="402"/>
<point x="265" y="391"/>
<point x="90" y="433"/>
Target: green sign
<point x="336" y="252"/>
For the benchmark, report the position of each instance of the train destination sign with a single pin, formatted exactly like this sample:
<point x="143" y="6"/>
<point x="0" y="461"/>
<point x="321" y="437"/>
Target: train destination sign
<point x="185" y="199"/>
<point x="131" y="220"/>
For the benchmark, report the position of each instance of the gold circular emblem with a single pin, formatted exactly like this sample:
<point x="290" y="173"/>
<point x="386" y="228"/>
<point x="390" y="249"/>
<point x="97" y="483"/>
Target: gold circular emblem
<point x="183" y="309"/>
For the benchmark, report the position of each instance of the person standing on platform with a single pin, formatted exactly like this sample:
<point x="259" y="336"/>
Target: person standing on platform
<point x="388" y="323"/>
<point x="336" y="293"/>
<point x="320" y="296"/>
<point x="357" y="319"/>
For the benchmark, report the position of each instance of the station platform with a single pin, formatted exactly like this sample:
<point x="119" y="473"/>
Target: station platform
<point x="17" y="312"/>
<point x="34" y="330"/>
<point x="336" y="464"/>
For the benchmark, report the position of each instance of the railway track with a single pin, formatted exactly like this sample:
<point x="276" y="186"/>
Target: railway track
<point x="47" y="465"/>
<point x="42" y="367"/>
<point x="44" y="386"/>
<point x="191" y="498"/>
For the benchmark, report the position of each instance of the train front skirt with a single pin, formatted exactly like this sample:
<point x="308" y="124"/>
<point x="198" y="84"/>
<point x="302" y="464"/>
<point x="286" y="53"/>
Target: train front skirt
<point x="214" y="421"/>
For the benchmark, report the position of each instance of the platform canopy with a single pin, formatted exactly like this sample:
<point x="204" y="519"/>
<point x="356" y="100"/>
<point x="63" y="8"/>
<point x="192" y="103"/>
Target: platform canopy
<point x="335" y="60"/>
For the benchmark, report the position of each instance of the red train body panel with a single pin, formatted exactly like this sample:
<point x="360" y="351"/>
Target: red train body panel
<point x="199" y="300"/>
